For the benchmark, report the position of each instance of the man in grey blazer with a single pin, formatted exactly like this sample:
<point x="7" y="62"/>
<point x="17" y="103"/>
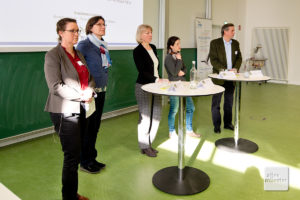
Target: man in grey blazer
<point x="224" y="54"/>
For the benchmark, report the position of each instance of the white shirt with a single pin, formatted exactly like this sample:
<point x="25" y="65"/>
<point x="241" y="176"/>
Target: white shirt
<point x="155" y="62"/>
<point x="228" y="53"/>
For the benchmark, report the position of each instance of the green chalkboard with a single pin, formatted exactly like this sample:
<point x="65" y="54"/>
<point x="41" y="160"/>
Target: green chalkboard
<point x="23" y="93"/>
<point x="121" y="82"/>
<point x="23" y="89"/>
<point x="189" y="55"/>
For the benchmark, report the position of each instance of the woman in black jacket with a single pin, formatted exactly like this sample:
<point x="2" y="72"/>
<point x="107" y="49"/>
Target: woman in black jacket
<point x="147" y="63"/>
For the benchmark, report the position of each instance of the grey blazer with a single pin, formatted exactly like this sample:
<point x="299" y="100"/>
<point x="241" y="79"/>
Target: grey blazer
<point x="173" y="66"/>
<point x="63" y="82"/>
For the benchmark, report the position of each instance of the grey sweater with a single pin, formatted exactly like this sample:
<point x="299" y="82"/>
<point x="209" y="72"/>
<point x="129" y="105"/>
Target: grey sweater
<point x="173" y="66"/>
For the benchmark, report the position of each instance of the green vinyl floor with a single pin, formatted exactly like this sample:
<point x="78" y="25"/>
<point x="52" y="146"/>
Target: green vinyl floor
<point x="270" y="116"/>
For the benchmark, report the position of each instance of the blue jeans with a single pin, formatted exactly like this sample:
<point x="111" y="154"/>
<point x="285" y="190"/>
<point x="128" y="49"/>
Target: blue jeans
<point x="174" y="105"/>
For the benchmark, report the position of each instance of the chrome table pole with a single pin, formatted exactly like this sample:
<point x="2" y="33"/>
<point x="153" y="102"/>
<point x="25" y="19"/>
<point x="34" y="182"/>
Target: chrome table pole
<point x="237" y="144"/>
<point x="181" y="180"/>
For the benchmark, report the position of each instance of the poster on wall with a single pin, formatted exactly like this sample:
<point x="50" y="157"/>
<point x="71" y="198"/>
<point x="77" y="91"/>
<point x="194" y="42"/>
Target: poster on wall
<point x="203" y="37"/>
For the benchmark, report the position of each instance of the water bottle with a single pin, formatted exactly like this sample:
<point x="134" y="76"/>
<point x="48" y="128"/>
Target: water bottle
<point x="193" y="76"/>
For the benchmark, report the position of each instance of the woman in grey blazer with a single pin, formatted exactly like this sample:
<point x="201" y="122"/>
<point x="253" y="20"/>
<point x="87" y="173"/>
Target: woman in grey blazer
<point x="70" y="89"/>
<point x="176" y="72"/>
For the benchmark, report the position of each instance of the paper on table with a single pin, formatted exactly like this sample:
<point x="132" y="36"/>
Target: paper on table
<point x="171" y="86"/>
<point x="90" y="108"/>
<point x="227" y="74"/>
<point x="256" y="74"/>
<point x="165" y="87"/>
<point x="206" y="83"/>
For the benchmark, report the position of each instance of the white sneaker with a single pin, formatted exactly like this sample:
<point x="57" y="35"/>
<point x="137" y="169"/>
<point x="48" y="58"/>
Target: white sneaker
<point x="173" y="135"/>
<point x="193" y="134"/>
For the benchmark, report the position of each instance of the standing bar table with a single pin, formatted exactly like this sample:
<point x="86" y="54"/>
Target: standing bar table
<point x="181" y="179"/>
<point x="237" y="144"/>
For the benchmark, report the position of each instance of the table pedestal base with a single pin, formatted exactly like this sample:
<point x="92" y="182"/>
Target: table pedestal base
<point x="193" y="180"/>
<point x="243" y="145"/>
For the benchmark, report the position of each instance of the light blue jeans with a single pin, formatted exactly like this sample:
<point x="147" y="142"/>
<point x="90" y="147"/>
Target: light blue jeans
<point x="174" y="105"/>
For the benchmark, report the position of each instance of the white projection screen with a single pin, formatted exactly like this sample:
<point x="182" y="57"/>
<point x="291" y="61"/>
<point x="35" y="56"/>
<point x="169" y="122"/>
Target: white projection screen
<point x="31" y="24"/>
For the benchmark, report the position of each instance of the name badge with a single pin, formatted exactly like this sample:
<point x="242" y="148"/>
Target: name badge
<point x="79" y="63"/>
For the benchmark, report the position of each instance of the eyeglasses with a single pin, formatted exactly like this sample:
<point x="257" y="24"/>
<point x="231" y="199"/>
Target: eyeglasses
<point x="74" y="31"/>
<point x="105" y="25"/>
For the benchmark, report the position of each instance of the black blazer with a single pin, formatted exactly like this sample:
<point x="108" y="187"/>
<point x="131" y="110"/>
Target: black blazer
<point x="144" y="64"/>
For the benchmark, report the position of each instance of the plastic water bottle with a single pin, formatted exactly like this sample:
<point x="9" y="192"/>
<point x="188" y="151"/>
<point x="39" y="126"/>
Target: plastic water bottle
<point x="193" y="76"/>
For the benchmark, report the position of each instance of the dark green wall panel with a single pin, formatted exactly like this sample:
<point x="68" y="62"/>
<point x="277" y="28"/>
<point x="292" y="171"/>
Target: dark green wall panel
<point x="121" y="81"/>
<point x="188" y="55"/>
<point x="23" y="92"/>
<point x="23" y="89"/>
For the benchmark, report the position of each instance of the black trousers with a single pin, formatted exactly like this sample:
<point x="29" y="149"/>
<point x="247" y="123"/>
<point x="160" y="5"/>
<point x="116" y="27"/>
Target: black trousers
<point x="89" y="152"/>
<point x="69" y="128"/>
<point x="227" y="107"/>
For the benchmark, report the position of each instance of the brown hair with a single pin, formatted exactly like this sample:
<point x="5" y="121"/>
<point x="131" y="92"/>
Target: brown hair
<point x="61" y="25"/>
<point x="91" y="22"/>
<point x="225" y="28"/>
<point x="171" y="42"/>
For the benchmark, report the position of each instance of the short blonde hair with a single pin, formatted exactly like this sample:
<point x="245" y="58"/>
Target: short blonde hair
<point x="140" y="30"/>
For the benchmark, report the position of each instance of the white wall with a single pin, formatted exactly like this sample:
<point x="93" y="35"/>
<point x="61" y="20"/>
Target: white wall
<point x="247" y="13"/>
<point x="151" y="17"/>
<point x="231" y="11"/>
<point x="263" y="13"/>
<point x="182" y="14"/>
<point x="277" y="13"/>
<point x="181" y="20"/>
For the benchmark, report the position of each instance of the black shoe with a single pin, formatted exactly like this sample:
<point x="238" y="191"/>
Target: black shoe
<point x="154" y="150"/>
<point x="99" y="164"/>
<point x="90" y="168"/>
<point x="229" y="126"/>
<point x="149" y="152"/>
<point x="217" y="130"/>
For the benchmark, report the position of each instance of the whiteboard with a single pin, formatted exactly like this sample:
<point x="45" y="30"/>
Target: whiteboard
<point x="32" y="23"/>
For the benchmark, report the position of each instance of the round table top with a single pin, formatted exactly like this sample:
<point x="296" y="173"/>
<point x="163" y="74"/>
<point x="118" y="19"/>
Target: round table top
<point x="181" y="88"/>
<point x="240" y="77"/>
